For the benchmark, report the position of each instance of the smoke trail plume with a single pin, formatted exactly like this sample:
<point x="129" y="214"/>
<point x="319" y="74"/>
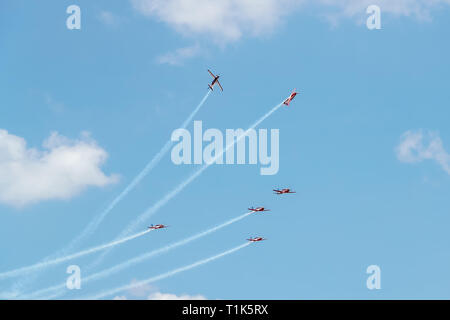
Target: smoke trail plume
<point x="96" y="222"/>
<point x="93" y="225"/>
<point x="167" y="274"/>
<point x="136" y="260"/>
<point x="48" y="263"/>
<point x="160" y="203"/>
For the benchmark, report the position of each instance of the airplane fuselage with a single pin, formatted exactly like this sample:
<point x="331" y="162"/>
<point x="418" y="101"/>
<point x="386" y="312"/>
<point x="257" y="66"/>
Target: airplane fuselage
<point x="288" y="100"/>
<point x="283" y="191"/>
<point x="214" y="81"/>
<point x="259" y="209"/>
<point x="158" y="226"/>
<point x="256" y="239"/>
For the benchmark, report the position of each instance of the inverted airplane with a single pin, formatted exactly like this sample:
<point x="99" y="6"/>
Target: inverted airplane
<point x="215" y="81"/>
<point x="292" y="96"/>
<point x="157" y="226"/>
<point x="258" y="209"/>
<point x="256" y="239"/>
<point x="283" y="191"/>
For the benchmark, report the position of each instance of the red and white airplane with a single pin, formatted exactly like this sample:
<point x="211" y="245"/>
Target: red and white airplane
<point x="283" y="191"/>
<point x="216" y="80"/>
<point x="256" y="239"/>
<point x="292" y="96"/>
<point x="157" y="226"/>
<point x="258" y="209"/>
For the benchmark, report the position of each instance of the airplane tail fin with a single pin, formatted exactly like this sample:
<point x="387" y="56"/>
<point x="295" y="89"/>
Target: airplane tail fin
<point x="210" y="87"/>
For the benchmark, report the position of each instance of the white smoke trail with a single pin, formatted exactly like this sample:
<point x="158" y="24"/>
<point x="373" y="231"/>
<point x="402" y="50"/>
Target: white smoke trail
<point x="156" y="159"/>
<point x="45" y="264"/>
<point x="167" y="274"/>
<point x="131" y="262"/>
<point x="185" y="183"/>
<point x="153" y="209"/>
<point x="93" y="225"/>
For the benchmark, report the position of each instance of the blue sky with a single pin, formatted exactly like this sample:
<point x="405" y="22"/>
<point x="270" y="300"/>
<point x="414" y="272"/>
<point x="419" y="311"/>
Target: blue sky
<point x="360" y="201"/>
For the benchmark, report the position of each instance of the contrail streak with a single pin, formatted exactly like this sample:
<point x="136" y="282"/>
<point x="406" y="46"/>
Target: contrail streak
<point x="96" y="222"/>
<point x="139" y="259"/>
<point x="160" y="203"/>
<point x="185" y="183"/>
<point x="93" y="225"/>
<point x="167" y="274"/>
<point x="48" y="263"/>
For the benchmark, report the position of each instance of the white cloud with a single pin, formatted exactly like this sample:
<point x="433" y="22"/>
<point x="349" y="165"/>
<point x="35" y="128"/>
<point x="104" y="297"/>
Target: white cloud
<point x="108" y="18"/>
<point x="152" y="293"/>
<point x="224" y="20"/>
<point x="180" y="55"/>
<point x="140" y="290"/>
<point x="170" y="296"/>
<point x="229" y="20"/>
<point x="62" y="170"/>
<point x="420" y="9"/>
<point x="416" y="146"/>
<point x="166" y="296"/>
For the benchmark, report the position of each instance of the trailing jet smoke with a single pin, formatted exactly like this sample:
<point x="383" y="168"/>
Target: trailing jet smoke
<point x="48" y="263"/>
<point x="93" y="225"/>
<point x="156" y="159"/>
<point x="131" y="262"/>
<point x="153" y="209"/>
<point x="167" y="274"/>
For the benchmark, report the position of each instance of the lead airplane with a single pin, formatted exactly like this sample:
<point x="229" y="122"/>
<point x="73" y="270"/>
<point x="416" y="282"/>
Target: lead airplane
<point x="292" y="96"/>
<point x="256" y="239"/>
<point x="258" y="209"/>
<point x="283" y="191"/>
<point x="157" y="226"/>
<point x="216" y="80"/>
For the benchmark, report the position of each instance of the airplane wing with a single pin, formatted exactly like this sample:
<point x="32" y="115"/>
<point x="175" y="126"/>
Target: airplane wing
<point x="219" y="85"/>
<point x="212" y="75"/>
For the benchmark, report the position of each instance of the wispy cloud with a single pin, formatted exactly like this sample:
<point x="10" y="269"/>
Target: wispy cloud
<point x="179" y="56"/>
<point x="225" y="20"/>
<point x="417" y="146"/>
<point x="419" y="9"/>
<point x="108" y="18"/>
<point x="228" y="20"/>
<point x="140" y="290"/>
<point x="150" y="292"/>
<point x="171" y="296"/>
<point x="166" y="296"/>
<point x="55" y="106"/>
<point x="62" y="170"/>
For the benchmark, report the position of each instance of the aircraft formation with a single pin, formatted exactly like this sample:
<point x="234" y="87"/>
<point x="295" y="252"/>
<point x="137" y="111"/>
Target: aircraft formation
<point x="251" y="209"/>
<point x="276" y="191"/>
<point x="49" y="262"/>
